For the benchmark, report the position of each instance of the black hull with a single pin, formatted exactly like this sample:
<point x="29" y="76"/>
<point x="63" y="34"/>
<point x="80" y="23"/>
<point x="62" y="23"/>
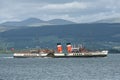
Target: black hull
<point x="79" y="56"/>
<point x="85" y="56"/>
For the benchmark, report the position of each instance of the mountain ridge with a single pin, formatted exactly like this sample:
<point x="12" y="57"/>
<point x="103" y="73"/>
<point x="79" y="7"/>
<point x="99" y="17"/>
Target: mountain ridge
<point x="30" y="21"/>
<point x="109" y="20"/>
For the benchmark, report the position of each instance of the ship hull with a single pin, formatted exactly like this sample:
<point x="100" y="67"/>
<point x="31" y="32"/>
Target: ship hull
<point x="61" y="55"/>
<point x="87" y="56"/>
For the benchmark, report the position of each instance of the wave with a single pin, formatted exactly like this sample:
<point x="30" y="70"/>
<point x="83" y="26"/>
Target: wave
<point x="6" y="57"/>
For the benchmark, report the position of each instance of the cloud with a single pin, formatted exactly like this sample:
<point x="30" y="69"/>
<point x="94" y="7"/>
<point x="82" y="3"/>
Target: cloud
<point x="72" y="5"/>
<point x="94" y="17"/>
<point x="74" y="10"/>
<point x="26" y="10"/>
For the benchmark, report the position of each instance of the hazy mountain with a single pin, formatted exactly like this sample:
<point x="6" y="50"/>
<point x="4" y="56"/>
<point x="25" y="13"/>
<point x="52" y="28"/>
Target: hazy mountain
<point x="36" y="22"/>
<point x="32" y="22"/>
<point x="26" y="22"/>
<point x="109" y="20"/>
<point x="60" y="22"/>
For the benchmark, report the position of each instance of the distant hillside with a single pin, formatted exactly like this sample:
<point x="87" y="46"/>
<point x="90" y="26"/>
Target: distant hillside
<point x="95" y="35"/>
<point x="32" y="22"/>
<point x="109" y="20"/>
<point x="22" y="23"/>
<point x="60" y="22"/>
<point x="37" y="22"/>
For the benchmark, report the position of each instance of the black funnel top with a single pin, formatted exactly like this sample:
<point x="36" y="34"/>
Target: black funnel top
<point x="58" y="43"/>
<point x="68" y="43"/>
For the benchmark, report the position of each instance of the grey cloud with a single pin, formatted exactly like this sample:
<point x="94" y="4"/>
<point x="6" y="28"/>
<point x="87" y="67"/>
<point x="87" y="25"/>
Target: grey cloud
<point x="52" y="1"/>
<point x="75" y="10"/>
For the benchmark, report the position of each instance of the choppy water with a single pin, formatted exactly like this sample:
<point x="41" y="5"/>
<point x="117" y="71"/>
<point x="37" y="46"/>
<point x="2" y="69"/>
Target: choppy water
<point x="102" y="68"/>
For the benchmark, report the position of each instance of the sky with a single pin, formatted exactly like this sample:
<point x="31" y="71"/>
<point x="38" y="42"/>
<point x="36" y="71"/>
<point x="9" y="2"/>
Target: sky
<point x="81" y="11"/>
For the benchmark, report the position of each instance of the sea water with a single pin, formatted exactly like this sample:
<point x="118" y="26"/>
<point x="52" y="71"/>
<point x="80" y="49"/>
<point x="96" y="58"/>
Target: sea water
<point x="95" y="68"/>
